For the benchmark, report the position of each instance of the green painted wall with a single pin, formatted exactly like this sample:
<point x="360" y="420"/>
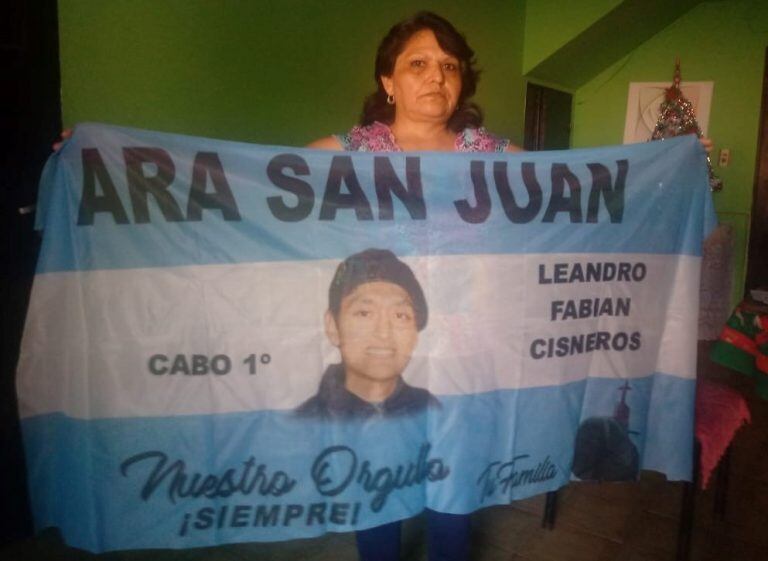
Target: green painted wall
<point x="550" y="24"/>
<point x="278" y="72"/>
<point x="600" y="41"/>
<point x="724" y="42"/>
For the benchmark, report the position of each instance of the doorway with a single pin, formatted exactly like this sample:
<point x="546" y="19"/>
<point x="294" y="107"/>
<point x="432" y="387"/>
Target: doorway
<point x="547" y="118"/>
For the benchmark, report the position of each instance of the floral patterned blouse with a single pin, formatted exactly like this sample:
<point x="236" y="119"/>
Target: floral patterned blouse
<point x="378" y="137"/>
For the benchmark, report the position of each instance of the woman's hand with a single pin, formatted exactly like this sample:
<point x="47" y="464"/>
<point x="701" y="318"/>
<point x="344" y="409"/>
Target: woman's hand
<point x="65" y="134"/>
<point x="707" y="144"/>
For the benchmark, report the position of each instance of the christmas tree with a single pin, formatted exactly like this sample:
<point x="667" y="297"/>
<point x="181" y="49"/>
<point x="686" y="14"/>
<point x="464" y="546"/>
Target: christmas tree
<point x="677" y="117"/>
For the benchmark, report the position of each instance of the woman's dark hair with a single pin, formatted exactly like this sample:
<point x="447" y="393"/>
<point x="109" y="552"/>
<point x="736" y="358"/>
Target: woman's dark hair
<point x="467" y="114"/>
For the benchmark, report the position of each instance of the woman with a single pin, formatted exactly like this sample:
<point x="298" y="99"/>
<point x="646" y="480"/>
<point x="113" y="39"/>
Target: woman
<point x="425" y="78"/>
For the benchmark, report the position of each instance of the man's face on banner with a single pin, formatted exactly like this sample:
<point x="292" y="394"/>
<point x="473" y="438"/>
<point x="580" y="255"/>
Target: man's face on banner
<point x="375" y="332"/>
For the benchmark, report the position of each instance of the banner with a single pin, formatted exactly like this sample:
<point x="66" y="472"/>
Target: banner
<point x="229" y="342"/>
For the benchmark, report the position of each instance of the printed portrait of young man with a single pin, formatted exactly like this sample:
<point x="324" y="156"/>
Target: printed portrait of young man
<point x="376" y="309"/>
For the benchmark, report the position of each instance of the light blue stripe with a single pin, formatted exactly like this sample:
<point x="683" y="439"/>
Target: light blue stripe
<point x="76" y="482"/>
<point x="667" y="207"/>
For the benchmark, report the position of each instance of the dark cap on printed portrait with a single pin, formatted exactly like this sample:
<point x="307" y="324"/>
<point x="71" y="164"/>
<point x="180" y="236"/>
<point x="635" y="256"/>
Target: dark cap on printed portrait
<point x="374" y="265"/>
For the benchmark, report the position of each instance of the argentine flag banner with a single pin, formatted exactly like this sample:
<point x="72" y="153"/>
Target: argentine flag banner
<point x="229" y="342"/>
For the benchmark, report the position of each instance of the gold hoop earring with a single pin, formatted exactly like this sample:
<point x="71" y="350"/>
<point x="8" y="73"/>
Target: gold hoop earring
<point x="391" y="99"/>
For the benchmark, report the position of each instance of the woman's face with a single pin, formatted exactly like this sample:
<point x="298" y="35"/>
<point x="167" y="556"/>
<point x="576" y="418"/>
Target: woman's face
<point x="426" y="81"/>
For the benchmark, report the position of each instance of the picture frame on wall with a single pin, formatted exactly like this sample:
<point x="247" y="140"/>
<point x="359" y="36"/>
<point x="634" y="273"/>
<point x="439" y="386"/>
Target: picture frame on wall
<point x="645" y="98"/>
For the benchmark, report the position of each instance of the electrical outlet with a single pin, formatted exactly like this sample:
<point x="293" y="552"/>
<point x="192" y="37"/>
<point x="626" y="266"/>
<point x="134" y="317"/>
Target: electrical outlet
<point x="724" y="158"/>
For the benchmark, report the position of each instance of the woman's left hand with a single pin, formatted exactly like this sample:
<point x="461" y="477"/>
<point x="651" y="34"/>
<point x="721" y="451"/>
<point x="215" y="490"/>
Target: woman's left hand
<point x="65" y="135"/>
<point x="707" y="144"/>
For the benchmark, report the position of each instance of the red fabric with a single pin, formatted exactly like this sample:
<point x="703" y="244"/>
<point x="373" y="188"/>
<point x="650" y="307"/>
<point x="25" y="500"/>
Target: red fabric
<point x="720" y="411"/>
<point x="739" y="340"/>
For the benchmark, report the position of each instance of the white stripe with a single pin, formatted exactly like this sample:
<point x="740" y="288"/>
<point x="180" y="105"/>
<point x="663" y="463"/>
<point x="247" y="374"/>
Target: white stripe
<point x="89" y="335"/>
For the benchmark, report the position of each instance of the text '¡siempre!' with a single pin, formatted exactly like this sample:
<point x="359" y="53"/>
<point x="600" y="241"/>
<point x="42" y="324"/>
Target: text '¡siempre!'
<point x="334" y="470"/>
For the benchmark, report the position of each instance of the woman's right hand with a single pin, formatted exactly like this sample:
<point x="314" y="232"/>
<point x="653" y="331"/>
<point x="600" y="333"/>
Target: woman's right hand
<point x="65" y="134"/>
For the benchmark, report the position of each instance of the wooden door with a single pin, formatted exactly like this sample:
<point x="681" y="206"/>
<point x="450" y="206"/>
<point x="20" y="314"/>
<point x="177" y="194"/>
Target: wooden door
<point x="547" y="118"/>
<point x="757" y="264"/>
